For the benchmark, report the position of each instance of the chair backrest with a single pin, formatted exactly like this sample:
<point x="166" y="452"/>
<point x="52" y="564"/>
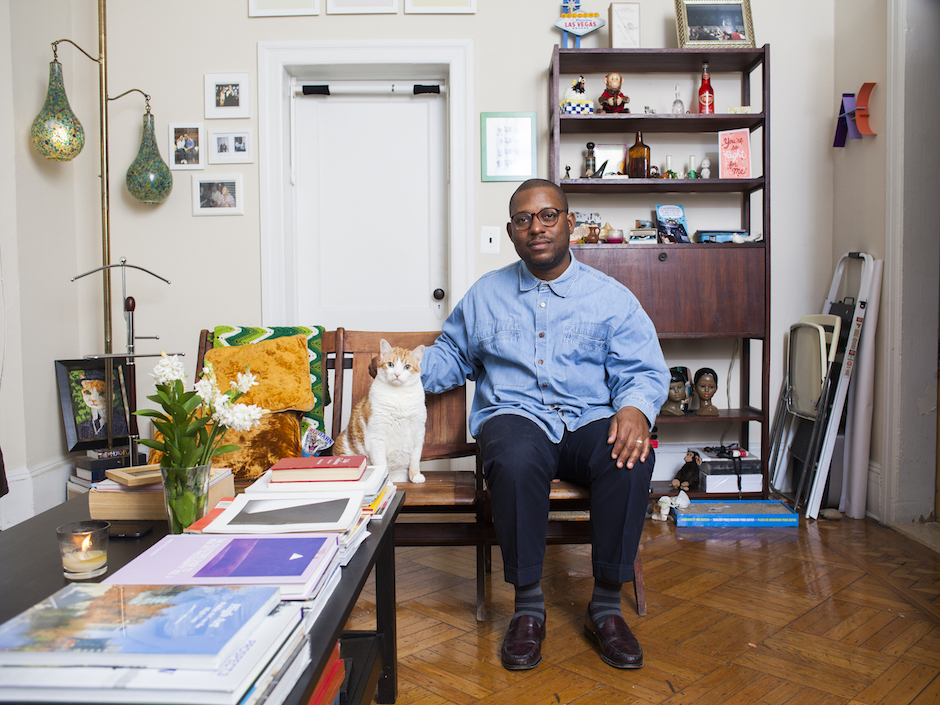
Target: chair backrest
<point x="446" y="431"/>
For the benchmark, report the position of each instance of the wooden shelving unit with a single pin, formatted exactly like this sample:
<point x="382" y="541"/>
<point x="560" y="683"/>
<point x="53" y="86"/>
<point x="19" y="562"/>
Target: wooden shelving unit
<point x="691" y="291"/>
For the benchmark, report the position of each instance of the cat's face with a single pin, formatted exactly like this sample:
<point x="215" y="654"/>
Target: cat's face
<point x="93" y="393"/>
<point x="398" y="366"/>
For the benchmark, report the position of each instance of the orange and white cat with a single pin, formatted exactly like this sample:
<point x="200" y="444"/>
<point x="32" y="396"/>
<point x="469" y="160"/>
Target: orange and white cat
<point x="388" y="425"/>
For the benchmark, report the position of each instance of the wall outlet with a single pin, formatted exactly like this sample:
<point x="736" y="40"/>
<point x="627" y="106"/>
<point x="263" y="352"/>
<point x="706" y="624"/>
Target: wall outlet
<point x="489" y="240"/>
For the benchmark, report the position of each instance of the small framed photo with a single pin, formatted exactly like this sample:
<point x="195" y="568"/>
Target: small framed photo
<point x="509" y="146"/>
<point x="82" y="398"/>
<point x="234" y="147"/>
<point x="624" y="22"/>
<point x="614" y="155"/>
<point x="218" y="194"/>
<point x="361" y="7"/>
<point x="282" y="8"/>
<point x="186" y="145"/>
<point x="440" y="7"/>
<point x="714" y="24"/>
<point x="227" y="95"/>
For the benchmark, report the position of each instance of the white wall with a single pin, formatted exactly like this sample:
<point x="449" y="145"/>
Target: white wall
<point x="166" y="48"/>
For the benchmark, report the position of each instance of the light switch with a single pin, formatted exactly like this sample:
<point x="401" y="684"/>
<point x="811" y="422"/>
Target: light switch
<point x="489" y="240"/>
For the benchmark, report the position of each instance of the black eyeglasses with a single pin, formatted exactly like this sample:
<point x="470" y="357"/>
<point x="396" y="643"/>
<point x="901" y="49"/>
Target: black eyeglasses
<point x="547" y="217"/>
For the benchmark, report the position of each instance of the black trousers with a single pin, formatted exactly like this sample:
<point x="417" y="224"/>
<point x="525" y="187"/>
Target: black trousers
<point x="519" y="463"/>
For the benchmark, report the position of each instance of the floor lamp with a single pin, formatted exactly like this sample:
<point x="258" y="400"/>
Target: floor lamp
<point x="58" y="134"/>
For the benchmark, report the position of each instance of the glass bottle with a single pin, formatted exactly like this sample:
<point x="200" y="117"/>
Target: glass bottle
<point x="589" y="163"/>
<point x="639" y="159"/>
<point x="706" y="96"/>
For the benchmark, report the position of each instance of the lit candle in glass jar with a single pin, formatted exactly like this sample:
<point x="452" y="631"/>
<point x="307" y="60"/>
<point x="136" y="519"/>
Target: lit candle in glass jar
<point x="84" y="549"/>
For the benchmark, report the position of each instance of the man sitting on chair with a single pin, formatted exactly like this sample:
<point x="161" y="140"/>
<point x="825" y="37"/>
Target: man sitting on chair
<point x="569" y="376"/>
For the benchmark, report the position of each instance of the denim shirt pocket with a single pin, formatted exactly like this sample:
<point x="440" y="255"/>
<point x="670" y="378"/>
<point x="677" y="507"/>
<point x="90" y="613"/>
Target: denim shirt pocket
<point x="500" y="341"/>
<point x="585" y="349"/>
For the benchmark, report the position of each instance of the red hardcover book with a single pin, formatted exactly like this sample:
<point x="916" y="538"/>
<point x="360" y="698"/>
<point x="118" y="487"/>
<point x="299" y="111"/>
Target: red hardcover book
<point x="330" y="681"/>
<point x="325" y="468"/>
<point x="210" y="516"/>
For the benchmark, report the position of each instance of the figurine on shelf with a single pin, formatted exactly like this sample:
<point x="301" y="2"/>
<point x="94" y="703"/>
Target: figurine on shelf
<point x="706" y="384"/>
<point x="678" y="107"/>
<point x="678" y="393"/>
<point x="705" y="172"/>
<point x="568" y="172"/>
<point x="590" y="165"/>
<point x="612" y="100"/>
<point x="687" y="478"/>
<point x="574" y="102"/>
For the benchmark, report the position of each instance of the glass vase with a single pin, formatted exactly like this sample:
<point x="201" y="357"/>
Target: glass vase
<point x="56" y="131"/>
<point x="185" y="492"/>
<point x="148" y="177"/>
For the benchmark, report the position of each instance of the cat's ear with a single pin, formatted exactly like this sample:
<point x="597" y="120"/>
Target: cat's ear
<point x="418" y="352"/>
<point x="384" y="347"/>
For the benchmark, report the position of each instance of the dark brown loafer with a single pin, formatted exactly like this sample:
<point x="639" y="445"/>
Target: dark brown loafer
<point x="522" y="645"/>
<point x="619" y="647"/>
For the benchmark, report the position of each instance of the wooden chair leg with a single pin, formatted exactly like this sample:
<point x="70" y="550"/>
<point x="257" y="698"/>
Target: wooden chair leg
<point x="482" y="565"/>
<point x="639" y="589"/>
<point x="488" y="557"/>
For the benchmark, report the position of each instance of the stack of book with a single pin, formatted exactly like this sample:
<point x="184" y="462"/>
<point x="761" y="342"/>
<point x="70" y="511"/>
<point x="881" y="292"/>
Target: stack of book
<point x="111" y="500"/>
<point x="99" y="643"/>
<point x="643" y="235"/>
<point x="89" y="469"/>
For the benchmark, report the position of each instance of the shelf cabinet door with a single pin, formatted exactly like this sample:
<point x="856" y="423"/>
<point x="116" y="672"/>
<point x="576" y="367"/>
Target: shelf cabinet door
<point x="690" y="291"/>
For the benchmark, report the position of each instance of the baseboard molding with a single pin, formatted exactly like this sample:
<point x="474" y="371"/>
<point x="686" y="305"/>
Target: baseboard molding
<point x="33" y="491"/>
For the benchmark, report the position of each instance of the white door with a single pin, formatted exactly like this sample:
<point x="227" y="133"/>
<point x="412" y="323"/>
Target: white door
<point x="370" y="194"/>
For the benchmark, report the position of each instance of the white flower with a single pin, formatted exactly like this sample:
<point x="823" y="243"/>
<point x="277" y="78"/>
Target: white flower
<point x="238" y="417"/>
<point x="246" y="381"/>
<point x="206" y="390"/>
<point x="169" y="370"/>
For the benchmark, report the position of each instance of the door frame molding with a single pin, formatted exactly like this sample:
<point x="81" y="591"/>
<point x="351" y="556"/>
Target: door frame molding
<point x="278" y="64"/>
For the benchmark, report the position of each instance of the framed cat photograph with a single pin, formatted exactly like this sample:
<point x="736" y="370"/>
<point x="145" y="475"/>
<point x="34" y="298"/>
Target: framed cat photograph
<point x="82" y="395"/>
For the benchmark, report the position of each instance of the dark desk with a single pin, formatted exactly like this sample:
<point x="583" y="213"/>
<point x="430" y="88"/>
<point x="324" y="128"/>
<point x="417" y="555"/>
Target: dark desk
<point x="31" y="570"/>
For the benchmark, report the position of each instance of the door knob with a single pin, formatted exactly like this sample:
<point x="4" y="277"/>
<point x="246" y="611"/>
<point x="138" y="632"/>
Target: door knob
<point x="438" y="294"/>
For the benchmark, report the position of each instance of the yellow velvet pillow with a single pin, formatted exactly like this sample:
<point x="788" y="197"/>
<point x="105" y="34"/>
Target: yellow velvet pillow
<point x="281" y="367"/>
<point x="276" y="436"/>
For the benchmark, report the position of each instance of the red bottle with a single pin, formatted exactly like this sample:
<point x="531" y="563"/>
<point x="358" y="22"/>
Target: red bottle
<point x="706" y="96"/>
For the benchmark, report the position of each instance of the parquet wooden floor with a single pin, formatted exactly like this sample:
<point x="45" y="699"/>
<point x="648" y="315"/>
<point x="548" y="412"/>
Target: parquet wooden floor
<point x="832" y="612"/>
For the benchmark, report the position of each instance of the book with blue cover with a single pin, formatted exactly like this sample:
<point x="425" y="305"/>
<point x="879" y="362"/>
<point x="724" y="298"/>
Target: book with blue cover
<point x="153" y="626"/>
<point x="293" y="562"/>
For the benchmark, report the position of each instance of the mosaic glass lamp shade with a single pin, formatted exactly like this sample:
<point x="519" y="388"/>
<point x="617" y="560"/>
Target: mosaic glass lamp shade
<point x="56" y="131"/>
<point x="148" y="177"/>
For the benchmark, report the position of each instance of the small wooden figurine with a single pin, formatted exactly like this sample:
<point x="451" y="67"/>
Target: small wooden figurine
<point x="612" y="100"/>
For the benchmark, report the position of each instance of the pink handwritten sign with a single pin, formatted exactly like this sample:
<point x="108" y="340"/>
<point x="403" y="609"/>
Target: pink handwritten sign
<point x="734" y="154"/>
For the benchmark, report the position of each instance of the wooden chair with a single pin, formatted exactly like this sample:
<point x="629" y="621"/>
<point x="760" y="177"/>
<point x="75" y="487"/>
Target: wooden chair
<point x="453" y="506"/>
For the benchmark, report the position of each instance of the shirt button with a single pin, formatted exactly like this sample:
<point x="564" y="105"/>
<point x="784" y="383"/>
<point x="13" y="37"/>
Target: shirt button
<point x="545" y="384"/>
<point x="541" y="362"/>
<point x="542" y="304"/>
<point x="541" y="335"/>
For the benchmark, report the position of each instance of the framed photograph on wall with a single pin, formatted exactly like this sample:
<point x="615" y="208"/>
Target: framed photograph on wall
<point x="186" y="145"/>
<point x="361" y="7"/>
<point x="440" y="7"/>
<point x="218" y="194"/>
<point x="231" y="147"/>
<point x="227" y="95"/>
<point x="282" y="8"/>
<point x="714" y="24"/>
<point x="509" y="146"/>
<point x="82" y="395"/>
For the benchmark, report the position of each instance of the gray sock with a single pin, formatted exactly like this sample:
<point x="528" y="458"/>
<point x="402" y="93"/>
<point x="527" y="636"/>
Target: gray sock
<point x="530" y="601"/>
<point x="605" y="602"/>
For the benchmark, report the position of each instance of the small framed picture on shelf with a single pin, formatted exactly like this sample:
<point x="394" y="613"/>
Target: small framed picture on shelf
<point x="218" y="194"/>
<point x="611" y="157"/>
<point x="234" y="147"/>
<point x="227" y="95"/>
<point x="282" y="8"/>
<point x="186" y="145"/>
<point x="83" y="400"/>
<point x="624" y="22"/>
<point x="714" y="24"/>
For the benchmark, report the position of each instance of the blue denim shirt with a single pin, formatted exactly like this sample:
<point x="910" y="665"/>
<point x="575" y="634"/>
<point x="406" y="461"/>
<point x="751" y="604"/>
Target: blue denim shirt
<point x="562" y="353"/>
